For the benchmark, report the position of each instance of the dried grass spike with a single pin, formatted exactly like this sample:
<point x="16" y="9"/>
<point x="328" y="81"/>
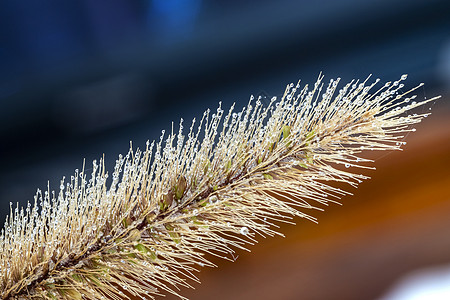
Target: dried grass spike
<point x="146" y="230"/>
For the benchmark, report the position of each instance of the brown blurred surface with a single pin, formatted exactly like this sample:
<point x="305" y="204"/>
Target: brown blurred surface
<point x="394" y="223"/>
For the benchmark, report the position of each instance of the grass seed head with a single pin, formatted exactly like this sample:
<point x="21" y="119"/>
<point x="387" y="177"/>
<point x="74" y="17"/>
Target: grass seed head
<point x="145" y="230"/>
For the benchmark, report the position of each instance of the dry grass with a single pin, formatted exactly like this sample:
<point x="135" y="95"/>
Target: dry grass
<point x="146" y="231"/>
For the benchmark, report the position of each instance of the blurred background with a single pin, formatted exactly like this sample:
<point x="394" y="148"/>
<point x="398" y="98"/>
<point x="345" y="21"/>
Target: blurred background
<point x="79" y="79"/>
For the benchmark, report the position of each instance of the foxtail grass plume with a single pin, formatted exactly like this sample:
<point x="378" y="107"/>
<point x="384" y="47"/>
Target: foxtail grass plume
<point x="145" y="229"/>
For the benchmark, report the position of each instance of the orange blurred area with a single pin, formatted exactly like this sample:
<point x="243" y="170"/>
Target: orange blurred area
<point x="394" y="223"/>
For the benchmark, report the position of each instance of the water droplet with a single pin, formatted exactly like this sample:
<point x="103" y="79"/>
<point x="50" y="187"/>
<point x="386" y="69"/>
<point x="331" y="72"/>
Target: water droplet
<point x="213" y="199"/>
<point x="244" y="230"/>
